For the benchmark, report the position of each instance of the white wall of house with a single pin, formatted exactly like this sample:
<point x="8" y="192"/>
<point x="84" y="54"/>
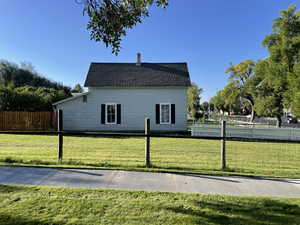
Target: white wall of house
<point x="136" y="104"/>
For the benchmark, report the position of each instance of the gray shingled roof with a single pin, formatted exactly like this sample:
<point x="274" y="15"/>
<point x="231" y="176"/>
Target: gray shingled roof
<point x="131" y="75"/>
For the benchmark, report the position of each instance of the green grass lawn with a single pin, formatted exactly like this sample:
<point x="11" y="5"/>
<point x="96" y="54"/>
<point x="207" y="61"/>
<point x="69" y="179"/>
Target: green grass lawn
<point x="167" y="154"/>
<point x="20" y="205"/>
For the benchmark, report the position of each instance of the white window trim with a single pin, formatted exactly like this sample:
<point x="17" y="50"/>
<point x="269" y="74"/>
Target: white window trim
<point x="160" y="113"/>
<point x="106" y="114"/>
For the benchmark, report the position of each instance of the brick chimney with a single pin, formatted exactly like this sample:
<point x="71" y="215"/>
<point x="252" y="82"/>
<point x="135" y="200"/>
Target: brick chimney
<point x="138" y="59"/>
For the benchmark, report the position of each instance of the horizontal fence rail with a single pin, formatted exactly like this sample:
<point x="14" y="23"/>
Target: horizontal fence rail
<point x="247" y="132"/>
<point x="118" y="134"/>
<point x="221" y="151"/>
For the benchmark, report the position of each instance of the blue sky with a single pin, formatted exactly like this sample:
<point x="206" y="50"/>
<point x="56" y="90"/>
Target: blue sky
<point x="208" y="34"/>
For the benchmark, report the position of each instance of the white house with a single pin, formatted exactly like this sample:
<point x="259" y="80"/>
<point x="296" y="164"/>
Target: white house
<point x="121" y="95"/>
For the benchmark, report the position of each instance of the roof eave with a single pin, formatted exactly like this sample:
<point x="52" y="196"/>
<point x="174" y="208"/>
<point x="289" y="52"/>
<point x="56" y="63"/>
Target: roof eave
<point x="70" y="99"/>
<point x="156" y="86"/>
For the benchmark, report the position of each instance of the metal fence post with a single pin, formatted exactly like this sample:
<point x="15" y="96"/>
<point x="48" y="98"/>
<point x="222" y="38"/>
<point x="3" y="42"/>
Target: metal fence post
<point x="223" y="144"/>
<point x="147" y="143"/>
<point x="60" y="135"/>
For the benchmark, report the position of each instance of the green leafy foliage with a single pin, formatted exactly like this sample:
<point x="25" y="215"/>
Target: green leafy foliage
<point x="219" y="101"/>
<point x="193" y="101"/>
<point x="109" y="20"/>
<point x="17" y="76"/>
<point x="271" y="84"/>
<point x="270" y="90"/>
<point x="77" y="89"/>
<point x="241" y="72"/>
<point x="29" y="98"/>
<point x="296" y="103"/>
<point x="205" y="106"/>
<point x="280" y="83"/>
<point x="23" y="89"/>
<point x="239" y="77"/>
<point x="236" y="96"/>
<point x="231" y="95"/>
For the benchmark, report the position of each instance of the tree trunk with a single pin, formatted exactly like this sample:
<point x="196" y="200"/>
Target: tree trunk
<point x="252" y="114"/>
<point x="252" y="109"/>
<point x="279" y="121"/>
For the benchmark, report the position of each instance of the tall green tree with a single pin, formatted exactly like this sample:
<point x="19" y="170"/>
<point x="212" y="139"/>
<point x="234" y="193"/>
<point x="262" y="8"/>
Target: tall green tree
<point x="239" y="77"/>
<point x="77" y="89"/>
<point x="193" y="101"/>
<point x="29" y="98"/>
<point x="293" y="93"/>
<point x="281" y="79"/>
<point x="23" y="89"/>
<point x="230" y="94"/>
<point x="270" y="88"/>
<point x="205" y="106"/>
<point x="7" y="72"/>
<point x="14" y="75"/>
<point x="218" y="101"/>
<point x="109" y="20"/>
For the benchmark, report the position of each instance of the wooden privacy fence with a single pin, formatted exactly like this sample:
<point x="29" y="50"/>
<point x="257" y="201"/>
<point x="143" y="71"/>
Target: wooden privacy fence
<point x="28" y="121"/>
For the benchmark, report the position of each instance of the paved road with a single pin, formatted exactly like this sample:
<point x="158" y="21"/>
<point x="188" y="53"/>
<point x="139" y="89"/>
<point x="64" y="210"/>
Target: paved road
<point x="150" y="181"/>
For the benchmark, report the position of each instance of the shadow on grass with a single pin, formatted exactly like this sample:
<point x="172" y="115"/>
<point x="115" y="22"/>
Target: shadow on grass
<point x="102" y="137"/>
<point x="9" y="219"/>
<point x="153" y="168"/>
<point x="11" y="188"/>
<point x="182" y="168"/>
<point x="196" y="170"/>
<point x="246" y="211"/>
<point x="10" y="160"/>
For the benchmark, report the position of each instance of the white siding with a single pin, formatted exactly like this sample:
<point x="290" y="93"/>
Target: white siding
<point x="136" y="104"/>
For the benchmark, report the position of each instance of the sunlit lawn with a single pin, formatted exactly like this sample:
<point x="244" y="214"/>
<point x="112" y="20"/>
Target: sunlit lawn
<point x="167" y="154"/>
<point x="21" y="205"/>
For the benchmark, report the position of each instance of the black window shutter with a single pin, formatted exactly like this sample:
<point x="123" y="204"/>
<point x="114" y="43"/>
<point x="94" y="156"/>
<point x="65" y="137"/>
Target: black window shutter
<point x="157" y="110"/>
<point x="84" y="98"/>
<point x="103" y="113"/>
<point x="173" y="113"/>
<point x="118" y="113"/>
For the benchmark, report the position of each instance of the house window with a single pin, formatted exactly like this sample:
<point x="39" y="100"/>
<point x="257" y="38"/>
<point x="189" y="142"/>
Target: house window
<point x="110" y="113"/>
<point x="165" y="113"/>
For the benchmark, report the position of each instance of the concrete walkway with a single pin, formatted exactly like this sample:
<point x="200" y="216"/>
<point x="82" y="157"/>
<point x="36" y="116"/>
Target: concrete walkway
<point x="150" y="181"/>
